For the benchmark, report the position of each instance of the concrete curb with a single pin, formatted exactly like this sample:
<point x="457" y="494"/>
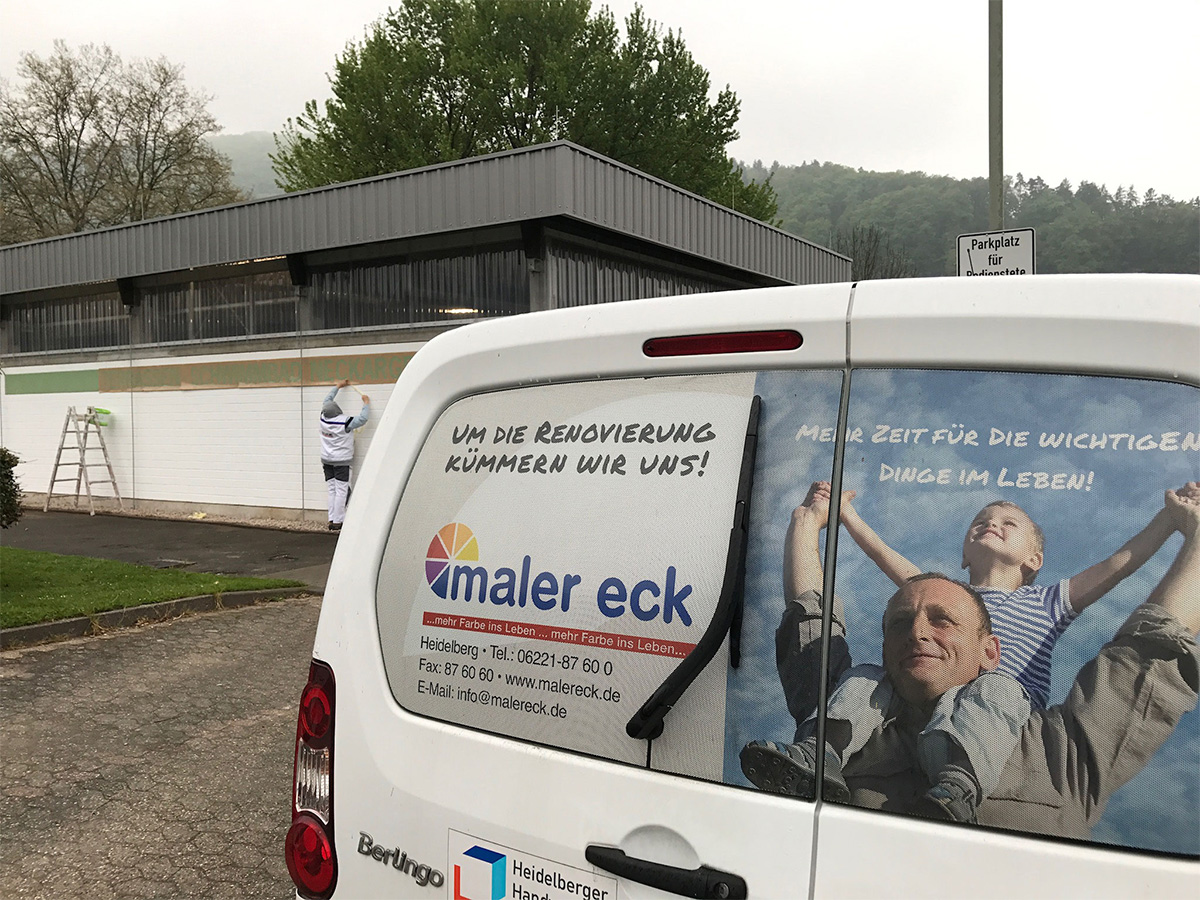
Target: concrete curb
<point x="316" y="525"/>
<point x="84" y="626"/>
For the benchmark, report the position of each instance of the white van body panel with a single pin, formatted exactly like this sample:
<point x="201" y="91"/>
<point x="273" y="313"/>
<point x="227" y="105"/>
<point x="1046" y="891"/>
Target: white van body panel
<point x="914" y="858"/>
<point x="1133" y="324"/>
<point x="408" y="781"/>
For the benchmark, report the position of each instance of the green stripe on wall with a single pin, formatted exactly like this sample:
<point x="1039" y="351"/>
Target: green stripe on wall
<point x="383" y="368"/>
<point x="79" y="381"/>
<point x="370" y="368"/>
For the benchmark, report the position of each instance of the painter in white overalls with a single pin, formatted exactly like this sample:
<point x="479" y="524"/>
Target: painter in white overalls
<point x="337" y="451"/>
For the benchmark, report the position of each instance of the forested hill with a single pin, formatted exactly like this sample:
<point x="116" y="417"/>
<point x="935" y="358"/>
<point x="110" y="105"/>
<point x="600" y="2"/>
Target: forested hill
<point x="1083" y="229"/>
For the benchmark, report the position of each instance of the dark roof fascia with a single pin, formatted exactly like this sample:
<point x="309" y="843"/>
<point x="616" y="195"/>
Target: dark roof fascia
<point x="543" y="181"/>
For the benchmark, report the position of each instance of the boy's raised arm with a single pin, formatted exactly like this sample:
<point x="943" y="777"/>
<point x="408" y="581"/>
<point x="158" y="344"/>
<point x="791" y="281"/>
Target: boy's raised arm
<point x="1095" y="581"/>
<point x="891" y="563"/>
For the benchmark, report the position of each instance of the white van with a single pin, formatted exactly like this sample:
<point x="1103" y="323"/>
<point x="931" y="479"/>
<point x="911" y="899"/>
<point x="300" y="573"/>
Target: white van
<point x="574" y="629"/>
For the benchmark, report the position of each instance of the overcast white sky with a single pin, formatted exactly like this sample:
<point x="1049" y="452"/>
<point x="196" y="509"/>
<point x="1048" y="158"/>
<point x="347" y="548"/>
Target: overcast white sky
<point x="1103" y="91"/>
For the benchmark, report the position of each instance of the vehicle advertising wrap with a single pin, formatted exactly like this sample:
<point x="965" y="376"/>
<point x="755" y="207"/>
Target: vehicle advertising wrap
<point x="558" y="550"/>
<point x="1096" y="525"/>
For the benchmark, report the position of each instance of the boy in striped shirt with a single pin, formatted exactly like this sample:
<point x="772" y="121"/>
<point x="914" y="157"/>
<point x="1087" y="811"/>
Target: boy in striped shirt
<point x="974" y="728"/>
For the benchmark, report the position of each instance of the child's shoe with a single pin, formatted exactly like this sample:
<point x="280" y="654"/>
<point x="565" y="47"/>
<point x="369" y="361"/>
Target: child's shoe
<point x="951" y="799"/>
<point x="792" y="769"/>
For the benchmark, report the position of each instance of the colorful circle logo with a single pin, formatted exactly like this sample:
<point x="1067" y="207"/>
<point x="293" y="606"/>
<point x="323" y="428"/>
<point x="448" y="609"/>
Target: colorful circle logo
<point x="452" y="542"/>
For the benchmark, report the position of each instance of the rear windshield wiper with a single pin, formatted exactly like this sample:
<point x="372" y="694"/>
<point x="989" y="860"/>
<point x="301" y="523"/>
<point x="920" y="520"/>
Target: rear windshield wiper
<point x="647" y="722"/>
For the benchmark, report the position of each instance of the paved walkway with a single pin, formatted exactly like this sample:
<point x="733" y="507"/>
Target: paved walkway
<point x="155" y="761"/>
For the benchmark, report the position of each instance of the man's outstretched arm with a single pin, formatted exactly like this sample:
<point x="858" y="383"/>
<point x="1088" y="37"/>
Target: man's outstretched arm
<point x="798" y="638"/>
<point x="1179" y="591"/>
<point x="801" y="548"/>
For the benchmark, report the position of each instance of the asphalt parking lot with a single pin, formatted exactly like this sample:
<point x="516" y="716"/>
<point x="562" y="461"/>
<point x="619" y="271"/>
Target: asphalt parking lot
<point x="155" y="761"/>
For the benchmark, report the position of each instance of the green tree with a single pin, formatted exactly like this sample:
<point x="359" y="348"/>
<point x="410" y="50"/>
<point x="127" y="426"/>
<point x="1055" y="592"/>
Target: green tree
<point x="438" y="80"/>
<point x="88" y="141"/>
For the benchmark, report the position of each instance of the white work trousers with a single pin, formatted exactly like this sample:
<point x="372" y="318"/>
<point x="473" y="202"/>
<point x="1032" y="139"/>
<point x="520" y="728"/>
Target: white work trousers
<point x="337" y="482"/>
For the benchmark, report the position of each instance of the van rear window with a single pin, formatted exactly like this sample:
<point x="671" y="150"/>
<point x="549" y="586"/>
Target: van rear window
<point x="559" y="549"/>
<point x="1067" y="503"/>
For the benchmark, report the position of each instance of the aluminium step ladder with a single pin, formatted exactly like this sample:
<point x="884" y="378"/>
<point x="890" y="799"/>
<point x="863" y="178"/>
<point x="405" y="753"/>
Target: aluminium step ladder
<point x="83" y="426"/>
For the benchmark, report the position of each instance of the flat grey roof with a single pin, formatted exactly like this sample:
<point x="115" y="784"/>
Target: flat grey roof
<point x="548" y="180"/>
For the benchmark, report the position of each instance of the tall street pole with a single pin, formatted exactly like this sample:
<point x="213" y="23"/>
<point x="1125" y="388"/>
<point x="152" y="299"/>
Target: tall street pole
<point x="996" y="114"/>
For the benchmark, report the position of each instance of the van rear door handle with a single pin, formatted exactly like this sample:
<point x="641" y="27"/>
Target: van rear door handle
<point x="703" y="883"/>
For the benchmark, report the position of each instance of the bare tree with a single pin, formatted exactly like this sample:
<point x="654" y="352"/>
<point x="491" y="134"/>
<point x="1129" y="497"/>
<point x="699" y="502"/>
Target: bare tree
<point x="88" y="141"/>
<point x="871" y="253"/>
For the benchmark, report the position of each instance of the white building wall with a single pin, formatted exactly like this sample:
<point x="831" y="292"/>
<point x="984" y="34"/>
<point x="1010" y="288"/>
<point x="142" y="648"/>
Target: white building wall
<point x="235" y="450"/>
<point x="237" y="446"/>
<point x="31" y="426"/>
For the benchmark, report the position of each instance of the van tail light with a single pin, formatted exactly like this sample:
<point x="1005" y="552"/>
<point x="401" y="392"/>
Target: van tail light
<point x="308" y="848"/>
<point x="724" y="342"/>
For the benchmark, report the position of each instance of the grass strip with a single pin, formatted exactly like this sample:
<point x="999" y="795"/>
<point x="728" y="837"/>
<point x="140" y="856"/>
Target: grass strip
<point x="44" y="587"/>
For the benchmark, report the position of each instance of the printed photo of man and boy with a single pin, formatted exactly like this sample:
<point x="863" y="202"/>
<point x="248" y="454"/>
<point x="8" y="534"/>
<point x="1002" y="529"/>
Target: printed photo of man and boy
<point x="1015" y="605"/>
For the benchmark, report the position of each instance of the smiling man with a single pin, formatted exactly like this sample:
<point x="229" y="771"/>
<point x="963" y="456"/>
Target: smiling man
<point x="1068" y="759"/>
<point x="936" y="636"/>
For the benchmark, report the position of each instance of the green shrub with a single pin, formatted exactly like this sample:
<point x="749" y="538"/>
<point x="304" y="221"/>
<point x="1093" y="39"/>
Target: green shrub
<point x="10" y="490"/>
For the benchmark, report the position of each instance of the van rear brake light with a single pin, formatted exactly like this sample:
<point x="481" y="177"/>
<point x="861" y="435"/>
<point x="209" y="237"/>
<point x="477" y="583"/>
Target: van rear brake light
<point x="310" y="858"/>
<point x="308" y="848"/>
<point x="726" y="342"/>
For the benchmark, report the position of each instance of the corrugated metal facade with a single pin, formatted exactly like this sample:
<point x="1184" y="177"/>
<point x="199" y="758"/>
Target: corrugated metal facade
<point x="50" y="326"/>
<point x="585" y="276"/>
<point x="420" y="291"/>
<point x="489" y="282"/>
<point x="546" y="181"/>
<point x="486" y="283"/>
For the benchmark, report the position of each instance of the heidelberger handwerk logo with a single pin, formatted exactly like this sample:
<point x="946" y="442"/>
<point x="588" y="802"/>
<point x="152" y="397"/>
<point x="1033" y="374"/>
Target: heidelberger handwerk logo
<point x="452" y="542"/>
<point x="481" y="875"/>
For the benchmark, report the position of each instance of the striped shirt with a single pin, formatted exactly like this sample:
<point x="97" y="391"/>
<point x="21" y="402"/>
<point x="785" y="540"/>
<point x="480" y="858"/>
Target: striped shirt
<point x="1028" y="622"/>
